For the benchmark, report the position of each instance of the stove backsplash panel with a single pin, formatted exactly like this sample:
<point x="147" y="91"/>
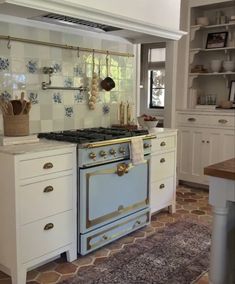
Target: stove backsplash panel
<point x="52" y="110"/>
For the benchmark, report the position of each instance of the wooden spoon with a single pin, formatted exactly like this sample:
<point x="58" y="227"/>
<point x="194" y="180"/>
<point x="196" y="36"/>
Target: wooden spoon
<point x="17" y="106"/>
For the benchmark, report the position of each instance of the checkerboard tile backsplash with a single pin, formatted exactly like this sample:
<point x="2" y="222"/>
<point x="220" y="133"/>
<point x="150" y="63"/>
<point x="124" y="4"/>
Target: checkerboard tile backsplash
<point x="21" y="70"/>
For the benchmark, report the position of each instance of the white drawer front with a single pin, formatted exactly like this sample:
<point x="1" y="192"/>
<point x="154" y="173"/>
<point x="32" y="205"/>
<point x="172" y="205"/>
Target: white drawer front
<point x="162" y="166"/>
<point x="162" y="193"/>
<point x="193" y="119"/>
<point x="164" y="143"/>
<point x="36" y="240"/>
<point x="224" y="121"/>
<point x="45" y="165"/>
<point x="42" y="199"/>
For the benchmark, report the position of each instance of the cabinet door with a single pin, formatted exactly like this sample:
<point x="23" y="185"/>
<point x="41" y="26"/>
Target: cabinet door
<point x="199" y="155"/>
<point x="184" y="152"/>
<point x="228" y="142"/>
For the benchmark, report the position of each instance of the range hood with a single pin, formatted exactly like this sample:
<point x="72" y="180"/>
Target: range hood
<point x="69" y="13"/>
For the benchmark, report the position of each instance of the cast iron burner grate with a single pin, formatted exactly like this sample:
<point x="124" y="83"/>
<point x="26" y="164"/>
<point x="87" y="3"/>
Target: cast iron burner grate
<point x="87" y="135"/>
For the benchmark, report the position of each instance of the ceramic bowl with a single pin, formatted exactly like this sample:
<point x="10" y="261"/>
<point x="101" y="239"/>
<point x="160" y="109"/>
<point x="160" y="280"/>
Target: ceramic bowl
<point x="216" y="65"/>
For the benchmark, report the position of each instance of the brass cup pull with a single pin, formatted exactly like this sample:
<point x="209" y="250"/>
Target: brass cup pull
<point x="49" y="226"/>
<point x="162" y="160"/>
<point x="137" y="223"/>
<point x="146" y="145"/>
<point x="162" y="186"/>
<point x="48" y="166"/>
<point x="191" y="119"/>
<point x="48" y="188"/>
<point x="223" y="121"/>
<point x="163" y="144"/>
<point x="105" y="237"/>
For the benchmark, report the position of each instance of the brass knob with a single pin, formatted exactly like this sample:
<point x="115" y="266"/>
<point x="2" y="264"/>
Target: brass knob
<point x="162" y="160"/>
<point x="207" y="141"/>
<point x="48" y="188"/>
<point x="47" y="166"/>
<point x="163" y="144"/>
<point x="146" y="145"/>
<point x="92" y="155"/>
<point x="203" y="141"/>
<point x="122" y="150"/>
<point x="120" y="208"/>
<point x="103" y="154"/>
<point x="112" y="152"/>
<point x="105" y="237"/>
<point x="49" y="226"/>
<point x="162" y="186"/>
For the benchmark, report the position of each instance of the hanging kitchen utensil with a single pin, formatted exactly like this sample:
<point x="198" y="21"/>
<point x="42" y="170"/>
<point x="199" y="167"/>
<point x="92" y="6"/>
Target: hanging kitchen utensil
<point x="108" y="83"/>
<point x="94" y="85"/>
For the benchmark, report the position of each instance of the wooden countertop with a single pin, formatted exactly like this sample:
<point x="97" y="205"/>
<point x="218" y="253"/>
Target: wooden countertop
<point x="225" y="169"/>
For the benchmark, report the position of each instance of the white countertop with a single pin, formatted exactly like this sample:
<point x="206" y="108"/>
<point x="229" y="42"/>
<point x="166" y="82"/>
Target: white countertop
<point x="209" y="111"/>
<point x="159" y="130"/>
<point x="42" y="145"/>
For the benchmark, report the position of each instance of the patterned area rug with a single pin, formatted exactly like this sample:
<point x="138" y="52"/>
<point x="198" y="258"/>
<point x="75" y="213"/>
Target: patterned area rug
<point x="178" y="254"/>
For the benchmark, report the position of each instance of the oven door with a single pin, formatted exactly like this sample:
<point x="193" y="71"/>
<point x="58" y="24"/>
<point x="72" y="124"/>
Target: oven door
<point x="112" y="191"/>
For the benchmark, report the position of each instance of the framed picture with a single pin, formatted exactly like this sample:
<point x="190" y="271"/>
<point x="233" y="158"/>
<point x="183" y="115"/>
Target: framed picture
<point x="232" y="92"/>
<point x="216" y="40"/>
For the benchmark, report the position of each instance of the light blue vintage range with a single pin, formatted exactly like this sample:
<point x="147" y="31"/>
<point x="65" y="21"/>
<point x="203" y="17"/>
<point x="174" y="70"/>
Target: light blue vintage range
<point x="113" y="194"/>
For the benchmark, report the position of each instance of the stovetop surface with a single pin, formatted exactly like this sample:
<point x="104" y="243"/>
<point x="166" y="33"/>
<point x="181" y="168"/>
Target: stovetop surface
<point x="88" y="135"/>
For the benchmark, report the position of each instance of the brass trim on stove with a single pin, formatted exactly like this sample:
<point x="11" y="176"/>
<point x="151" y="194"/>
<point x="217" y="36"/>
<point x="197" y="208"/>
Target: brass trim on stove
<point x="89" y="246"/>
<point x="117" y="141"/>
<point x="90" y="223"/>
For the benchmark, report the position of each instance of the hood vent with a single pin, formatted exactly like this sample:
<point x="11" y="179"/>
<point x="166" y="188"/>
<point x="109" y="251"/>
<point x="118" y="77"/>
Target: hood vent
<point x="79" y="23"/>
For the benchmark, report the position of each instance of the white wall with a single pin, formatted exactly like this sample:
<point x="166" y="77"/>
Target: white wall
<point x="157" y="12"/>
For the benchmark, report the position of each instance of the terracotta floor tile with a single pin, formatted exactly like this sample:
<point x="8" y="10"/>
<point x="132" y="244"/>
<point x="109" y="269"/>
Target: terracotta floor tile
<point x="198" y="212"/>
<point x="31" y="275"/>
<point x="83" y="260"/>
<point x="5" y="281"/>
<point x="48" y="267"/>
<point x="66" y="268"/>
<point x="99" y="260"/>
<point x="103" y="252"/>
<point x="48" y="277"/>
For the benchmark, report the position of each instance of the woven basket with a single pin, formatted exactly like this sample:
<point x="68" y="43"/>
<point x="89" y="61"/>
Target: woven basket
<point x="16" y="125"/>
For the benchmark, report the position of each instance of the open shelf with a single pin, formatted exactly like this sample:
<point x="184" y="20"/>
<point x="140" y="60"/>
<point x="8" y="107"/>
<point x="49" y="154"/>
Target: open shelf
<point x="200" y="27"/>
<point x="211" y="74"/>
<point x="212" y="49"/>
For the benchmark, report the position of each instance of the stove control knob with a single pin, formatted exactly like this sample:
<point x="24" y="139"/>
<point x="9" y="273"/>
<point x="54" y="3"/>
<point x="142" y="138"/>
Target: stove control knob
<point x="112" y="152"/>
<point x="146" y="146"/>
<point x="122" y="150"/>
<point x="103" y="154"/>
<point x="92" y="155"/>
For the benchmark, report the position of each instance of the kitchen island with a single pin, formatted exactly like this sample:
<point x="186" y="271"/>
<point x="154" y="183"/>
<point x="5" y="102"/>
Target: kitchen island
<point x="222" y="198"/>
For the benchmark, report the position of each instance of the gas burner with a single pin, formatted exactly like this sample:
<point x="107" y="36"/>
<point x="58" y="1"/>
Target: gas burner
<point x="89" y="135"/>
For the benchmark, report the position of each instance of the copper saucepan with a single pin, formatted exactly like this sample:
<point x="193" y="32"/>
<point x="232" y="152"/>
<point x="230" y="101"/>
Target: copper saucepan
<point x="107" y="83"/>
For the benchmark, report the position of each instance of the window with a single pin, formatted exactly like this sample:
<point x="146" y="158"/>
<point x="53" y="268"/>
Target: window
<point x="156" y="77"/>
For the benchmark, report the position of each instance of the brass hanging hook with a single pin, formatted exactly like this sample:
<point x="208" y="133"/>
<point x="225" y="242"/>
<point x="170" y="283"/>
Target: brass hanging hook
<point x="9" y="43"/>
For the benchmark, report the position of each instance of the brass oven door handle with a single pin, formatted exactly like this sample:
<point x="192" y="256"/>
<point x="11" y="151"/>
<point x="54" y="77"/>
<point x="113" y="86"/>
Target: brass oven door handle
<point x="122" y="169"/>
<point x="47" y="166"/>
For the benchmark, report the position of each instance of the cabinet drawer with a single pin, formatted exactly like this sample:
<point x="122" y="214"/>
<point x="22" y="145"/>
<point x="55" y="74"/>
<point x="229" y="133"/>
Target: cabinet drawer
<point x="46" y="235"/>
<point x="193" y="119"/>
<point x="223" y="121"/>
<point x="42" y="199"/>
<point x="164" y="143"/>
<point x="45" y="165"/>
<point x="104" y="235"/>
<point x="162" y="193"/>
<point x="162" y="166"/>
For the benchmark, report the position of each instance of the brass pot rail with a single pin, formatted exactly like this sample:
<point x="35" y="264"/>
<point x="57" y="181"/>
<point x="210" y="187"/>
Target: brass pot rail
<point x="63" y="46"/>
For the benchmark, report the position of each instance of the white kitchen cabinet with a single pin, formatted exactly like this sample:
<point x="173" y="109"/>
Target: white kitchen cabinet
<point x="163" y="170"/>
<point x="201" y="142"/>
<point x="37" y="206"/>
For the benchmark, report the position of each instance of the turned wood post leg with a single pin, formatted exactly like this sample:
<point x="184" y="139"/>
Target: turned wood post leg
<point x="217" y="273"/>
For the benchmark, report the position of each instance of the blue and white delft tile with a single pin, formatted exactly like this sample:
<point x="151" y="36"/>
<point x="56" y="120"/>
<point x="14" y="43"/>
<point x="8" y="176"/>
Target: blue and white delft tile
<point x="68" y="111"/>
<point x="106" y="109"/>
<point x="5" y="95"/>
<point x="4" y="64"/>
<point x="33" y="97"/>
<point x="77" y="71"/>
<point x="57" y="67"/>
<point x="32" y="66"/>
<point x="57" y="98"/>
<point x="79" y="97"/>
<point x="68" y="82"/>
